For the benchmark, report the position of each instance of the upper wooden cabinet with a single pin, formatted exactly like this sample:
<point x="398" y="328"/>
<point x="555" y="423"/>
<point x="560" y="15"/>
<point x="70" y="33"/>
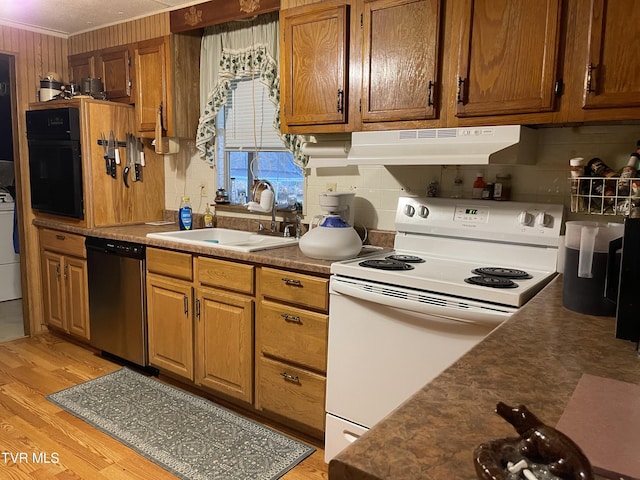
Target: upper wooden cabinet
<point x="315" y="64"/>
<point x="167" y="83"/>
<point x="400" y="75"/>
<point x="113" y="66"/>
<point x="82" y="65"/>
<point x="508" y="58"/>
<point x="349" y="63"/>
<point x="605" y="62"/>
<point x="161" y="77"/>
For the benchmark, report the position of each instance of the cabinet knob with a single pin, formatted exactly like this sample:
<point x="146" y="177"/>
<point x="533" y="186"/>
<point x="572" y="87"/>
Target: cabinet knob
<point x="590" y="82"/>
<point x="460" y="94"/>
<point x="430" y="94"/>
<point x="291" y="281"/>
<point x="291" y="318"/>
<point x="290" y="378"/>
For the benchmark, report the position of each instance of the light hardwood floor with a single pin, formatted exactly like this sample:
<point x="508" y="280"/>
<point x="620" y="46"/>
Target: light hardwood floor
<point x="38" y="440"/>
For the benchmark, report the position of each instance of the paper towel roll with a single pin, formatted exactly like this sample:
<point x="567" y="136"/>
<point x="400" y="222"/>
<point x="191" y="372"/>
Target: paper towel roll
<point x="266" y="200"/>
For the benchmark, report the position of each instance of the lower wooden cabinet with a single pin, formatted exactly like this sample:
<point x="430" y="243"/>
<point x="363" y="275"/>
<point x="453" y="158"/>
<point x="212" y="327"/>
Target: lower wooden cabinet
<point x="253" y="335"/>
<point x="293" y="393"/>
<point x="224" y="343"/>
<point x="65" y="283"/>
<point x="170" y="324"/>
<point x="291" y="348"/>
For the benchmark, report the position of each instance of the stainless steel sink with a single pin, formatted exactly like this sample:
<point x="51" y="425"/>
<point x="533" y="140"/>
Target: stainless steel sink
<point x="225" y="238"/>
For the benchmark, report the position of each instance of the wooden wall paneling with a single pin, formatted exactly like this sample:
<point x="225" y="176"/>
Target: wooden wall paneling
<point x="124" y="33"/>
<point x="35" y="54"/>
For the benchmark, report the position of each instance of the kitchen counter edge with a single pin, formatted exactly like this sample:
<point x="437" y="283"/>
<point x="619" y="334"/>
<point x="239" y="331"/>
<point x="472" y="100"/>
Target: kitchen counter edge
<point x="536" y="358"/>
<point x="285" y="257"/>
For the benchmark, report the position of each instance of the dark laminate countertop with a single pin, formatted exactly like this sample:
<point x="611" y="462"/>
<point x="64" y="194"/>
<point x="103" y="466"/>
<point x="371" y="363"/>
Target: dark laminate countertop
<point x="536" y="358"/>
<point x="285" y="257"/>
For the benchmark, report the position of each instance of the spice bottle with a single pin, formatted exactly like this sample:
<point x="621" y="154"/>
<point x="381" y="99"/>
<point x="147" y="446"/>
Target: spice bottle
<point x="628" y="171"/>
<point x="457" y="187"/>
<point x="478" y="186"/>
<point x="487" y="191"/>
<point x="502" y="187"/>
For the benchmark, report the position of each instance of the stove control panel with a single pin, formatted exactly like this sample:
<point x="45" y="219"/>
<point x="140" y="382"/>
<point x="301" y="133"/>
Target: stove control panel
<point x="511" y="222"/>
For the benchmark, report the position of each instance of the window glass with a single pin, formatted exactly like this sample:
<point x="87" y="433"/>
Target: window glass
<point x="251" y="147"/>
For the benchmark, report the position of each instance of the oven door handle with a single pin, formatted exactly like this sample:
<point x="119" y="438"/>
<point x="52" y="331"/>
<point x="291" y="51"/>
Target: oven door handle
<point x="457" y="310"/>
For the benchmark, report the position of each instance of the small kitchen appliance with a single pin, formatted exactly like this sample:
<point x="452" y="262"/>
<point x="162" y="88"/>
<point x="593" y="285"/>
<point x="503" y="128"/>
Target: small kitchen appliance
<point x="330" y="236"/>
<point x="626" y="293"/>
<point x="459" y="269"/>
<point x="591" y="264"/>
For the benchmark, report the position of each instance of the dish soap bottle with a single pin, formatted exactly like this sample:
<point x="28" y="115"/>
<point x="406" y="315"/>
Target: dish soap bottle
<point x="185" y="214"/>
<point x="208" y="218"/>
<point x="478" y="186"/>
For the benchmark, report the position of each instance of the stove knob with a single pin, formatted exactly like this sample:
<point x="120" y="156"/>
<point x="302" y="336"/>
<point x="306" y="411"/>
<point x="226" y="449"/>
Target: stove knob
<point x="542" y="220"/>
<point x="525" y="218"/>
<point x="409" y="210"/>
<point x="423" y="211"/>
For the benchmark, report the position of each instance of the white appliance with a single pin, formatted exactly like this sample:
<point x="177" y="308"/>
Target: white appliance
<point x="398" y="320"/>
<point x="9" y="260"/>
<point x="445" y="146"/>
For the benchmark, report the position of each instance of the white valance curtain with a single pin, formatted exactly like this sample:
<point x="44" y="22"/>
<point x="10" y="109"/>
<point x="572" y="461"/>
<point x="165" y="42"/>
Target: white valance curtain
<point x="236" y="50"/>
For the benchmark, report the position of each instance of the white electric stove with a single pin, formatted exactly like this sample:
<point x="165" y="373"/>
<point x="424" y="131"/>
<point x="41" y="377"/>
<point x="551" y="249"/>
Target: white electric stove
<point x="458" y="270"/>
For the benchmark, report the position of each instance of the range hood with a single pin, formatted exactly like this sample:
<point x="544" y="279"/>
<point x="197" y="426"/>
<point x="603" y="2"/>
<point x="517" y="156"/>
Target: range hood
<point x="511" y="144"/>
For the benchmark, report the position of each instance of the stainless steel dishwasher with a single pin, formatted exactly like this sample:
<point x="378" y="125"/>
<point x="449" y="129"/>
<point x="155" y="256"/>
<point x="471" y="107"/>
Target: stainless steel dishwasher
<point x="117" y="298"/>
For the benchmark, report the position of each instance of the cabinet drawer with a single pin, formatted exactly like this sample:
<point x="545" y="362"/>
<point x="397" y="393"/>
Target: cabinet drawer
<point x="62" y="242"/>
<point x="229" y="275"/>
<point x="293" y="334"/>
<point x="292" y="393"/>
<point x="295" y="288"/>
<point x="170" y="263"/>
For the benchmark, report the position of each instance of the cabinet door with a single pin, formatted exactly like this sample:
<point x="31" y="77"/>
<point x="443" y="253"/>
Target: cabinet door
<point x="315" y="69"/>
<point x="82" y="66"/>
<point x="613" y="63"/>
<point x="508" y="57"/>
<point x="114" y="67"/>
<point x="77" y="296"/>
<point x="400" y="59"/>
<point x="224" y="339"/>
<point x="169" y="316"/>
<point x="53" y="287"/>
<point x="150" y="59"/>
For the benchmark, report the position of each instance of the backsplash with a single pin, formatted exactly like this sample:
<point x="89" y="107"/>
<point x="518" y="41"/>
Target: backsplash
<point x="377" y="188"/>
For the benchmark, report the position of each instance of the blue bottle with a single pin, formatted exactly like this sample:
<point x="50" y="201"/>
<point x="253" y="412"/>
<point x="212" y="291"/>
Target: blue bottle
<point x="185" y="214"/>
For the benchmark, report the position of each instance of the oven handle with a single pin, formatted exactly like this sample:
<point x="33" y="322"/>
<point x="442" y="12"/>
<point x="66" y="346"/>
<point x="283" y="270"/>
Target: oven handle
<point x="465" y="312"/>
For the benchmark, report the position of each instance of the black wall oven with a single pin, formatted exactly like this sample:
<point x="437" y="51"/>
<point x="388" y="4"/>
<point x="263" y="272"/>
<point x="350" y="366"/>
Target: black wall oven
<point x="55" y="161"/>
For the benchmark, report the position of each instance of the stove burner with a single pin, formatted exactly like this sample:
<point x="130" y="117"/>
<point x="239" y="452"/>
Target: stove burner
<point x="406" y="258"/>
<point x="501" y="272"/>
<point x="493" y="282"/>
<point x="386" y="264"/>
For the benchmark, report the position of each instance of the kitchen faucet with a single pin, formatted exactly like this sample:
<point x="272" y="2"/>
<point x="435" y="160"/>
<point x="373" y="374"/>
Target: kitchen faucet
<point x="267" y="184"/>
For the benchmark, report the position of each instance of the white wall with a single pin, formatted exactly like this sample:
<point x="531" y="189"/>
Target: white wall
<point x="377" y="188"/>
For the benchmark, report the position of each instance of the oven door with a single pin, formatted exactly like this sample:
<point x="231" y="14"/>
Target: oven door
<point x="55" y="173"/>
<point x="385" y="345"/>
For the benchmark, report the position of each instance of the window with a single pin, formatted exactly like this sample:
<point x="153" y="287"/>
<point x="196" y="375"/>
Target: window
<point x="250" y="146"/>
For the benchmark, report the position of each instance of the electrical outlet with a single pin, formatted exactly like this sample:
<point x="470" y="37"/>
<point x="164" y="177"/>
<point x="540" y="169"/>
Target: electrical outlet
<point x="203" y="190"/>
<point x="331" y="187"/>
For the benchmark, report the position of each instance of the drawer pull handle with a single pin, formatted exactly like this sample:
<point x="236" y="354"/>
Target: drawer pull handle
<point x="291" y="281"/>
<point x="291" y="318"/>
<point x="59" y="237"/>
<point x="290" y="378"/>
